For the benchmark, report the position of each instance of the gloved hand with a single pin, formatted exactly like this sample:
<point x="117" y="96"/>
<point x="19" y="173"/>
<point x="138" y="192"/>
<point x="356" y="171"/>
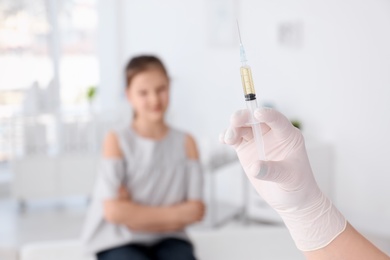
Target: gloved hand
<point x="285" y="180"/>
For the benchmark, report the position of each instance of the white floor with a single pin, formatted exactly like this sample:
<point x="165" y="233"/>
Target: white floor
<point x="52" y="221"/>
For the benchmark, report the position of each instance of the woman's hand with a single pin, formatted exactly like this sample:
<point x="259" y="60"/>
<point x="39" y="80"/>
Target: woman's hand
<point x="123" y="193"/>
<point x="189" y="212"/>
<point x="113" y="209"/>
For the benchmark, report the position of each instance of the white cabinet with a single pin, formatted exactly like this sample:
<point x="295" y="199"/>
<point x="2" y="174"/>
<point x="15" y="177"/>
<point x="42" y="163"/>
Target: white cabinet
<point x="43" y="177"/>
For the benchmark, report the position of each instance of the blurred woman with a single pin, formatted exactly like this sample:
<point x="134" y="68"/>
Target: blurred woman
<point x="149" y="187"/>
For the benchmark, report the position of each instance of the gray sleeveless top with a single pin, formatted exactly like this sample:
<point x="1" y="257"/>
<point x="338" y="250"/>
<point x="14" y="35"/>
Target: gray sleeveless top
<point x="156" y="173"/>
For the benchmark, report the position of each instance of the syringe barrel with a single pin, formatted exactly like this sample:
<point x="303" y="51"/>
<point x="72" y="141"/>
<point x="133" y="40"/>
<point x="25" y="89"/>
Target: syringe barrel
<point x="247" y="82"/>
<point x="256" y="129"/>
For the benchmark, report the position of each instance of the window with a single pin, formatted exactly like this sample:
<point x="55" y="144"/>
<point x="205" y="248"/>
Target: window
<point x="24" y="52"/>
<point x="48" y="60"/>
<point x="79" y="64"/>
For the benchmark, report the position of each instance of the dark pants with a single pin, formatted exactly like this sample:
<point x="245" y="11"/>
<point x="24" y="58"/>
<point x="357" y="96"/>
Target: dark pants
<point x="166" y="249"/>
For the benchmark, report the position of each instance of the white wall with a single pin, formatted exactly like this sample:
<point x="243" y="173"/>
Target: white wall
<point x="338" y="83"/>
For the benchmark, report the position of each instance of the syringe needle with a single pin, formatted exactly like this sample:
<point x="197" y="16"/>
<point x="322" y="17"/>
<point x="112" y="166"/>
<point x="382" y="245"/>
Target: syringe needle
<point x="242" y="50"/>
<point x="239" y="33"/>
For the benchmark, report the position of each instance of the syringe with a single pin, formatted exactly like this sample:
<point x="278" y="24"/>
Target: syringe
<point x="250" y="98"/>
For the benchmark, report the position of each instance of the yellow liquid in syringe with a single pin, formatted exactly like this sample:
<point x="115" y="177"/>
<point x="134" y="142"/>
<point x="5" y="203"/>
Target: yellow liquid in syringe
<point x="247" y="80"/>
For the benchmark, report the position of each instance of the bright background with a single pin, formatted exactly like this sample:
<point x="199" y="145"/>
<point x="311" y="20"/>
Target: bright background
<point x="324" y="63"/>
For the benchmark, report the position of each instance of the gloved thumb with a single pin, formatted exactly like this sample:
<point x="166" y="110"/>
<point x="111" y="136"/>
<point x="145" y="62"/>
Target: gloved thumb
<point x="275" y="171"/>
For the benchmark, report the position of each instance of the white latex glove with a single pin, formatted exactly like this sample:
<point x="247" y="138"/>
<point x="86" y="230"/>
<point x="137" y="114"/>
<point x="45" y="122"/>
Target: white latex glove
<point x="285" y="180"/>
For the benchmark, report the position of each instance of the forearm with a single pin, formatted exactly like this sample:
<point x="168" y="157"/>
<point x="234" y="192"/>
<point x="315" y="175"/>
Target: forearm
<point x="349" y="245"/>
<point x="154" y="219"/>
<point x="143" y="218"/>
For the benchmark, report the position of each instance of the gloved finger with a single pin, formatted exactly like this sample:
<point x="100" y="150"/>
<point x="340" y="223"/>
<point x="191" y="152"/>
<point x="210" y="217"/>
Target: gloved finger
<point x="240" y="127"/>
<point x="237" y="120"/>
<point x="222" y="137"/>
<point x="242" y="118"/>
<point x="234" y="136"/>
<point x="275" y="171"/>
<point x="279" y="124"/>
